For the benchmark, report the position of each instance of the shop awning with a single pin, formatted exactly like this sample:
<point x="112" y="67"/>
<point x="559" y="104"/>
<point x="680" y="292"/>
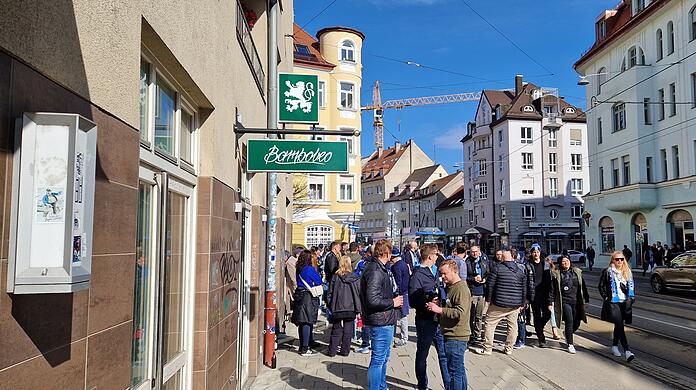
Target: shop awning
<point x="558" y="234"/>
<point x="495" y="235"/>
<point x="531" y="234"/>
<point x="477" y="230"/>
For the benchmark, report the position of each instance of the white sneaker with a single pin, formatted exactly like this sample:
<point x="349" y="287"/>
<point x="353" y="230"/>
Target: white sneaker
<point x="615" y="351"/>
<point x="571" y="348"/>
<point x="629" y="356"/>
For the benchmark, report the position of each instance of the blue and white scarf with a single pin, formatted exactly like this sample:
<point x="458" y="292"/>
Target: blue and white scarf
<point x="616" y="278"/>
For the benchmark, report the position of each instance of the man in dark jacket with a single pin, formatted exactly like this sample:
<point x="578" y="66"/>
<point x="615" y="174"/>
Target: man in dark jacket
<point x="411" y="256"/>
<point x="627" y="254"/>
<point x="331" y="260"/>
<point x="540" y="288"/>
<point x="506" y="296"/>
<point x="402" y="274"/>
<point x="590" y="252"/>
<point x="423" y="288"/>
<point x="477" y="269"/>
<point x="380" y="303"/>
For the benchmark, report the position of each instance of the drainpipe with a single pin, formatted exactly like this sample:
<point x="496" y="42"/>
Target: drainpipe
<point x="270" y="311"/>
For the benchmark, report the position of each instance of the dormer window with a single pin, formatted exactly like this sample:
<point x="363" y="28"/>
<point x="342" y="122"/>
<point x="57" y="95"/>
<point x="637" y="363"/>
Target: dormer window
<point x="347" y="51"/>
<point x="569" y="110"/>
<point x="601" y="29"/>
<point x="536" y="94"/>
<point x="528" y="108"/>
<point x="638" y="5"/>
<point x="498" y="112"/>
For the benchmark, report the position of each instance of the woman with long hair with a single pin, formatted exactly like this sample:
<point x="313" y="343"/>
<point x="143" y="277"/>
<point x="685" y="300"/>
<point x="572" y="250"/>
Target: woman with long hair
<point x="306" y="309"/>
<point x="343" y="298"/>
<point x="568" y="298"/>
<point x="617" y="289"/>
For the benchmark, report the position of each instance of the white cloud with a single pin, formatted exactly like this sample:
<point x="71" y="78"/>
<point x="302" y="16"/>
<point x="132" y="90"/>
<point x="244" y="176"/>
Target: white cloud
<point x="449" y="139"/>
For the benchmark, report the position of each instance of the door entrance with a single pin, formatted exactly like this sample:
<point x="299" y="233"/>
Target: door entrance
<point x="244" y="298"/>
<point x="161" y="307"/>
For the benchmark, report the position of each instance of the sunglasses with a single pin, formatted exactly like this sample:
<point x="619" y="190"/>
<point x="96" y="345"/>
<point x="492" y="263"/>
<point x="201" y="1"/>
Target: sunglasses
<point x="619" y="259"/>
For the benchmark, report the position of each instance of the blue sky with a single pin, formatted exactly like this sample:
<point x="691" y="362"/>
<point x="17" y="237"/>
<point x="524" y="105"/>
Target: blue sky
<point x="447" y="35"/>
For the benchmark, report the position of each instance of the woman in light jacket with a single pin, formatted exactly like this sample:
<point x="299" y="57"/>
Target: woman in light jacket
<point x="568" y="297"/>
<point x="343" y="298"/>
<point x="306" y="309"/>
<point x="617" y="289"/>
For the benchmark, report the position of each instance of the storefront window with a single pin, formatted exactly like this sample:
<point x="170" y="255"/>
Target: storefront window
<point x="606" y="227"/>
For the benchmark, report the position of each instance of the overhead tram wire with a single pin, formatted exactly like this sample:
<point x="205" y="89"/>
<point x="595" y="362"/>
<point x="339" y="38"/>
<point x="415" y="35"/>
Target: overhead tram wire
<point x="317" y="14"/>
<point x="507" y="38"/>
<point x="589" y="156"/>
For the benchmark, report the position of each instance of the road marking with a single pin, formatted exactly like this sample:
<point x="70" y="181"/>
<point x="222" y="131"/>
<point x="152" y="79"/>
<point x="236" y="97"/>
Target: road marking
<point x="655" y="320"/>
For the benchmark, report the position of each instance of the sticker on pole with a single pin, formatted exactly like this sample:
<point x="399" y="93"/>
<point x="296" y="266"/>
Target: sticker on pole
<point x="277" y="155"/>
<point x="298" y="98"/>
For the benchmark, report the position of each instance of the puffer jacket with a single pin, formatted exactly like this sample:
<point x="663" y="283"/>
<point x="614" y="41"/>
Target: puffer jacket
<point x="508" y="285"/>
<point x="343" y="296"/>
<point x="377" y="295"/>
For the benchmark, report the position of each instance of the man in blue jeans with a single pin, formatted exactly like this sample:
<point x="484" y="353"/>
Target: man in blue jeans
<point x="423" y="288"/>
<point x="380" y="303"/>
<point x="454" y="321"/>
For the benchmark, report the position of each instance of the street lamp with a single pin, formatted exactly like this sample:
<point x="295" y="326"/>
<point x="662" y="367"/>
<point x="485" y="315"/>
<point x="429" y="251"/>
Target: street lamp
<point x="584" y="81"/>
<point x="392" y="213"/>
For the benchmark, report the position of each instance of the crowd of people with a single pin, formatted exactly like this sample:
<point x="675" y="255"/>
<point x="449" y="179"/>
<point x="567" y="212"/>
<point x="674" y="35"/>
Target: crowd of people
<point x="459" y="299"/>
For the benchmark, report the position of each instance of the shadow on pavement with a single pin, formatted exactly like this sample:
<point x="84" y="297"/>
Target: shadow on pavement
<point x="357" y="375"/>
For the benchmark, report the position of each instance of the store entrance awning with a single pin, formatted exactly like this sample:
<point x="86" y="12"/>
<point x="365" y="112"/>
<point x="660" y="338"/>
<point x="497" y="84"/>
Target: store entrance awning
<point x="558" y="234"/>
<point x="529" y="234"/>
<point x="477" y="230"/>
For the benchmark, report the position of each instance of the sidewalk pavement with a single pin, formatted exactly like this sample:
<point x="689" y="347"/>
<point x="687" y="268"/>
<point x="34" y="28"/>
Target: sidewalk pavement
<point x="528" y="368"/>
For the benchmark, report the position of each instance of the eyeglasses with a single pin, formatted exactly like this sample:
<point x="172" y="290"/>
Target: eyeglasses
<point x="619" y="259"/>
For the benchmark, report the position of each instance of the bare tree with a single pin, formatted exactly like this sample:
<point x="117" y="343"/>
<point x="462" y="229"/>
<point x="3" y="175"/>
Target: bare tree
<point x="301" y="202"/>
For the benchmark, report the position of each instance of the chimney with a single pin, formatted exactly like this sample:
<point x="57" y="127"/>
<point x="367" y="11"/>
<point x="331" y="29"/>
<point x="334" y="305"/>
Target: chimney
<point x="397" y="146"/>
<point x="518" y="84"/>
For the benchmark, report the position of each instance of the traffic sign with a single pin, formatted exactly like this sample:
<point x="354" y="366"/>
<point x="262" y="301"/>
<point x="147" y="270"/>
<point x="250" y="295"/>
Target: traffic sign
<point x="298" y="99"/>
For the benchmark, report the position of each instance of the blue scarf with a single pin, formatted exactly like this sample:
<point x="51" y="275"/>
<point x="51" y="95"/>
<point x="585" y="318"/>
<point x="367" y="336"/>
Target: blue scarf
<point x="615" y="288"/>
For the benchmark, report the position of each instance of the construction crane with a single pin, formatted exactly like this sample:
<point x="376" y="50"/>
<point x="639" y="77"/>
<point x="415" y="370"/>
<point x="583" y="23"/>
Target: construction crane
<point x="378" y="107"/>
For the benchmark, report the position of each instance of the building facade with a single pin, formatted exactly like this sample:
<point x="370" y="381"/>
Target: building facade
<point x="401" y="223"/>
<point x="328" y="205"/>
<point x="525" y="169"/>
<point x="178" y="249"/>
<point x="382" y="171"/>
<point x="641" y="87"/>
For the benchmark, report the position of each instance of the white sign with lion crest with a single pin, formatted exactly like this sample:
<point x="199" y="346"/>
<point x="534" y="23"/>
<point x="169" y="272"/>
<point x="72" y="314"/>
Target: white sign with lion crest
<point x="298" y="98"/>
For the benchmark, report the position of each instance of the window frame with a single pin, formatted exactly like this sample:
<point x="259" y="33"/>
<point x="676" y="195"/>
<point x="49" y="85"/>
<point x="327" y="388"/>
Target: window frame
<point x="532" y="211"/>
<point x="321" y="93"/>
<point x="349" y="48"/>
<point x="659" y="42"/>
<point x="339" y="189"/>
<point x="670" y="38"/>
<point x="618" y="112"/>
<point x="323" y="197"/>
<point x="576" y="186"/>
<point x="526" y="135"/>
<point x="576" y="162"/>
<point x="673" y="99"/>
<point x="352" y="95"/>
<point x="553" y="138"/>
<point x="527" y="164"/>
<point x="553" y="162"/>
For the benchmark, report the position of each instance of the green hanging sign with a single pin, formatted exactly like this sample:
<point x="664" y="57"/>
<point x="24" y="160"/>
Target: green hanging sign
<point x="278" y="155"/>
<point x="298" y="98"/>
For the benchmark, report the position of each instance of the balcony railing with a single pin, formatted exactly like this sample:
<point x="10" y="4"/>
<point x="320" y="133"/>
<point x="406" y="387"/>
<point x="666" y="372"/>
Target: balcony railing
<point x="249" y="49"/>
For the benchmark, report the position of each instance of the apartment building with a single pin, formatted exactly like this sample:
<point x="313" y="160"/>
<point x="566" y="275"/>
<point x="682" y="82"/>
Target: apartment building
<point x="327" y="206"/>
<point x="173" y="293"/>
<point x="401" y="223"/>
<point x="525" y="168"/>
<point x="382" y="171"/>
<point x="641" y="87"/>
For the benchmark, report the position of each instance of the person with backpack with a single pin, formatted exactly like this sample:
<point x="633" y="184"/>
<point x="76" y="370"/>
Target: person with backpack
<point x="568" y="298"/>
<point x="343" y="300"/>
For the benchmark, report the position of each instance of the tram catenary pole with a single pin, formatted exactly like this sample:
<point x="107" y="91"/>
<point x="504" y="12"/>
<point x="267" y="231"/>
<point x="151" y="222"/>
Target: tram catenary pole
<point x="270" y="311"/>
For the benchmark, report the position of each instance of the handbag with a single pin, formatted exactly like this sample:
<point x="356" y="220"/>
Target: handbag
<point x="316" y="291"/>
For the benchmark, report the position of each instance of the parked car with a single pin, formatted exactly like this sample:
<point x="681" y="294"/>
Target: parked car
<point x="575" y="256"/>
<point x="680" y="274"/>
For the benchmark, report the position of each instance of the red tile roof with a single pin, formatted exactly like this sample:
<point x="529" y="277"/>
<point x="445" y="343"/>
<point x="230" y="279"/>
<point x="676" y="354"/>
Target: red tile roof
<point x="618" y="22"/>
<point x="381" y="165"/>
<point x="315" y="59"/>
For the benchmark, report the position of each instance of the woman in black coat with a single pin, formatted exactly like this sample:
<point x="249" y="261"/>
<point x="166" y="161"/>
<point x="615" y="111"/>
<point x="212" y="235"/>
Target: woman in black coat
<point x="616" y="287"/>
<point x="343" y="299"/>
<point x="568" y="297"/>
<point x="306" y="309"/>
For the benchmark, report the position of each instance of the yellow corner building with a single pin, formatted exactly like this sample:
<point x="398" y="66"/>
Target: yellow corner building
<point x="326" y="205"/>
